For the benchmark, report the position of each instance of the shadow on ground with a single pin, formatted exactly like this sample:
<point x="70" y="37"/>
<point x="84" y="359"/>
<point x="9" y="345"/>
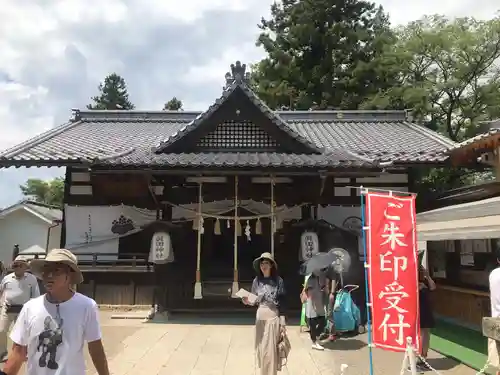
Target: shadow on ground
<point x="345" y="344"/>
<point x="442" y="364"/>
<point x="212" y="319"/>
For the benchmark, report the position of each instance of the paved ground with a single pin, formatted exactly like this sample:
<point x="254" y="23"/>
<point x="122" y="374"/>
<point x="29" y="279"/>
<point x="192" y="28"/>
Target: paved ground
<point x="188" y="346"/>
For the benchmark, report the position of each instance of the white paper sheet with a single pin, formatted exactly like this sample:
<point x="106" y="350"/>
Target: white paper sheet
<point x="242" y="293"/>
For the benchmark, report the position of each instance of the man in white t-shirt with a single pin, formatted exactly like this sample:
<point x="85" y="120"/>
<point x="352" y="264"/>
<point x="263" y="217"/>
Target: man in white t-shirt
<point x="493" y="347"/>
<point x="16" y="289"/>
<point x="51" y="330"/>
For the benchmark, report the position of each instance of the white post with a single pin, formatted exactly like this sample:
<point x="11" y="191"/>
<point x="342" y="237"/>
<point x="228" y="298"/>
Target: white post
<point x="235" y="287"/>
<point x="273" y="219"/>
<point x="409" y="358"/>
<point x="197" y="286"/>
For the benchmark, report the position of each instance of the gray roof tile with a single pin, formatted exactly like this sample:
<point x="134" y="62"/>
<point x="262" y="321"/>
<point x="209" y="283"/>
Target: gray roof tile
<point x="107" y="135"/>
<point x="338" y="159"/>
<point x="273" y="116"/>
<point x="474" y="139"/>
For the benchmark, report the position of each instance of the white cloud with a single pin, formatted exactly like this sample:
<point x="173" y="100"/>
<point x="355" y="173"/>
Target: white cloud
<point x="53" y="53"/>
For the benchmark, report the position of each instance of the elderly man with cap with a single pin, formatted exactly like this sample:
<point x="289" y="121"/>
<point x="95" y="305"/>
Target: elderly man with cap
<point x="16" y="289"/>
<point x="51" y="330"/>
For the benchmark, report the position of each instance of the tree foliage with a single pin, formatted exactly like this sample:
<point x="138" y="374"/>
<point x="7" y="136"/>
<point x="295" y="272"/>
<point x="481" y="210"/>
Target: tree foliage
<point x="47" y="192"/>
<point x="320" y="54"/>
<point x="447" y="72"/>
<point x="343" y="54"/>
<point x="113" y="94"/>
<point x="173" y="104"/>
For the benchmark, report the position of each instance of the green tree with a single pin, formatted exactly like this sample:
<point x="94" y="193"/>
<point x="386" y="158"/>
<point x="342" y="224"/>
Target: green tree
<point x="173" y="104"/>
<point x="320" y="54"/>
<point x="48" y="192"/>
<point x="447" y="73"/>
<point x="113" y="94"/>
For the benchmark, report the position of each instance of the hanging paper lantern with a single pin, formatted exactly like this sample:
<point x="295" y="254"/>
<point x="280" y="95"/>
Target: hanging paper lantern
<point x="309" y="245"/>
<point x="217" y="227"/>
<point x="161" y="249"/>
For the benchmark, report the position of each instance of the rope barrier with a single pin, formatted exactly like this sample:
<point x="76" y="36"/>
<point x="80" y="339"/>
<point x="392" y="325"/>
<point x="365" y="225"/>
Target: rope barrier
<point x="225" y="217"/>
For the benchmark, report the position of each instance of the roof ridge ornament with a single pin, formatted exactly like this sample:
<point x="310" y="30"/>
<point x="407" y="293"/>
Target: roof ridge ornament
<point x="237" y="75"/>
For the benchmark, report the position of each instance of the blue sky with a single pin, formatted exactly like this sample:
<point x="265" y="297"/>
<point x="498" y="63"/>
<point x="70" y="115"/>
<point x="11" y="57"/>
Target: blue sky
<point x="53" y="54"/>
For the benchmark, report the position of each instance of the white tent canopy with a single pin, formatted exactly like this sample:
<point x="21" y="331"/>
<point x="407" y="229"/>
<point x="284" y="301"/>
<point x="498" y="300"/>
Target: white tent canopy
<point x="474" y="220"/>
<point x="30" y="252"/>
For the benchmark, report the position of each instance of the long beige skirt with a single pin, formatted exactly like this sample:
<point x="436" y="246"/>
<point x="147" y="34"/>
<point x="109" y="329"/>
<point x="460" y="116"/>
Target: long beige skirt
<point x="267" y="334"/>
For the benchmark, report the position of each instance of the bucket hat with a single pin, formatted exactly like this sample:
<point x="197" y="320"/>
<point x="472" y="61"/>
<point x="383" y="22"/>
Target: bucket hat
<point x="20" y="259"/>
<point x="266" y="256"/>
<point x="58" y="256"/>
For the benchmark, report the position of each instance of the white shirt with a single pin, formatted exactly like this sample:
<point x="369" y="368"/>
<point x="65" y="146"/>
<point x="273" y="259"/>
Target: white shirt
<point x="495" y="292"/>
<point x="18" y="291"/>
<point x="55" y="334"/>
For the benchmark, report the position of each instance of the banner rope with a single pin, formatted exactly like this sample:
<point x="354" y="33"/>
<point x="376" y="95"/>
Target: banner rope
<point x="249" y="217"/>
<point x="424" y="361"/>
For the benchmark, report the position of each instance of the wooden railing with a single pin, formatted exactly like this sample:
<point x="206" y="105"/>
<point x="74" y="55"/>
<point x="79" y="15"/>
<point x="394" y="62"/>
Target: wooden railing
<point x="112" y="262"/>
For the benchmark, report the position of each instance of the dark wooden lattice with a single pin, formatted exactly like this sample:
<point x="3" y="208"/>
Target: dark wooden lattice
<point x="238" y="135"/>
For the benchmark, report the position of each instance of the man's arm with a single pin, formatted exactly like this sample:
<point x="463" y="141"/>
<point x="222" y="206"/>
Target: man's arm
<point x="93" y="336"/>
<point x="19" y="337"/>
<point x="17" y="356"/>
<point x="98" y="356"/>
<point x="35" y="291"/>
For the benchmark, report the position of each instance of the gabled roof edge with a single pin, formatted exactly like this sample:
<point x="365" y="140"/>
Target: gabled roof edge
<point x="272" y="116"/>
<point x="446" y="142"/>
<point x="24" y="205"/>
<point x="32" y="142"/>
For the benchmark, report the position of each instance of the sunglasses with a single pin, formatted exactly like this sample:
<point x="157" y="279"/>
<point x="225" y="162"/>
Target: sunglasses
<point x="18" y="265"/>
<point x="55" y="270"/>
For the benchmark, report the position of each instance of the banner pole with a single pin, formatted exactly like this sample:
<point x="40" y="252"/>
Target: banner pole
<point x="367" y="294"/>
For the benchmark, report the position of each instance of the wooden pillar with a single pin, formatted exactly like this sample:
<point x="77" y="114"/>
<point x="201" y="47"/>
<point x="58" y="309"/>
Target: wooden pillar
<point x="198" y="294"/>
<point x="273" y="216"/>
<point x="235" y="286"/>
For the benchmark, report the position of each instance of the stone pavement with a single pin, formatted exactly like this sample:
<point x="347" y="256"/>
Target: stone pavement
<point x="223" y="347"/>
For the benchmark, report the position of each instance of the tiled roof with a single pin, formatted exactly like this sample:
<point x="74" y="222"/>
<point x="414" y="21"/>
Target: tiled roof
<point x="49" y="213"/>
<point x="475" y="139"/>
<point x="337" y="159"/>
<point x="123" y="135"/>
<point x="273" y="116"/>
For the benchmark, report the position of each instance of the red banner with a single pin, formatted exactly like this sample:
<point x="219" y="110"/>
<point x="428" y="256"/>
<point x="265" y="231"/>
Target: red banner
<point x="393" y="270"/>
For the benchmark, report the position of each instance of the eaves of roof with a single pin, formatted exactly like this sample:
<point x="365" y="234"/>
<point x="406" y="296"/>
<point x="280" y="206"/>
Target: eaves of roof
<point x="380" y="136"/>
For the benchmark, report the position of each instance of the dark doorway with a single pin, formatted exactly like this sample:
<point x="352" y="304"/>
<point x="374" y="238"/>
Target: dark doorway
<point x="217" y="251"/>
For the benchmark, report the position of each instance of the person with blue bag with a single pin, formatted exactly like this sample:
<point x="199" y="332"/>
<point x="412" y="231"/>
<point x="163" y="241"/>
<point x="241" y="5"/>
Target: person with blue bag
<point x="315" y="294"/>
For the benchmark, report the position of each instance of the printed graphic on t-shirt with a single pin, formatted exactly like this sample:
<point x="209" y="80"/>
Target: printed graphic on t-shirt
<point x="48" y="342"/>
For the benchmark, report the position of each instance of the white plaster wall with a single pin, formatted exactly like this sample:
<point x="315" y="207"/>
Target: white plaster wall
<point x="22" y="228"/>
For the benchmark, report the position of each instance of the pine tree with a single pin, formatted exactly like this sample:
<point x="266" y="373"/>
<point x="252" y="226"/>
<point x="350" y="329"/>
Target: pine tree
<point x="173" y="104"/>
<point x="113" y="94"/>
<point x="320" y="54"/>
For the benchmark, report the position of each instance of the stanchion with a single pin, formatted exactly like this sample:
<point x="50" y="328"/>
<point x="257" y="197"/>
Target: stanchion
<point x="409" y="358"/>
<point x="367" y="295"/>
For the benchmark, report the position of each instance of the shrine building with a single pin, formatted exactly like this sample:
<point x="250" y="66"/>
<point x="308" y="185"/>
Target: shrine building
<point x="173" y="206"/>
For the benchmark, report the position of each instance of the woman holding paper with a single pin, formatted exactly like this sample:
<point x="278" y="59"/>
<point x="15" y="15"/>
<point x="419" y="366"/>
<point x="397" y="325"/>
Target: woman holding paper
<point x="270" y="321"/>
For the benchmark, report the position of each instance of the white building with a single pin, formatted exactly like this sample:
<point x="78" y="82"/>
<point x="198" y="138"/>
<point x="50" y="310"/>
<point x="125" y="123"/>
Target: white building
<point x="29" y="225"/>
